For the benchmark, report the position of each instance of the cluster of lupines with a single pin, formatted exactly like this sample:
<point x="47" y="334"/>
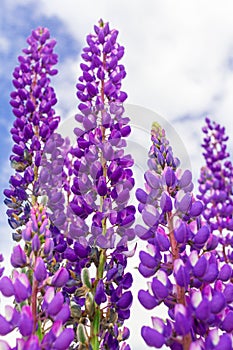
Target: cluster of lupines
<point x="41" y="311"/>
<point x="35" y="122"/>
<point x="69" y="283"/>
<point x="87" y="189"/>
<point x="188" y="278"/>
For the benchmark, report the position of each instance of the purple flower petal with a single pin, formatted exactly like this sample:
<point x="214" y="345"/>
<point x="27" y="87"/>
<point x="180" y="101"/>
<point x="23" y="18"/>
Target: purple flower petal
<point x="202" y="235"/>
<point x="6" y="286"/>
<point x="227" y="324"/>
<point x="60" y="278"/>
<point x="56" y="304"/>
<point x="147" y="300"/>
<point x="148" y="260"/>
<point x="125" y="301"/>
<point x="40" y="272"/>
<point x="64" y="340"/>
<point x="159" y="289"/>
<point x="5" y="326"/>
<point x="218" y="302"/>
<point x="152" y="337"/>
<point x="18" y="257"/>
<point x="100" y="296"/>
<point x="170" y="177"/>
<point x="26" y="321"/>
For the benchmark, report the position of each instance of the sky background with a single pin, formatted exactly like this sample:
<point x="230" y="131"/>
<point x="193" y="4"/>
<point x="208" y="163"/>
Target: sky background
<point x="179" y="63"/>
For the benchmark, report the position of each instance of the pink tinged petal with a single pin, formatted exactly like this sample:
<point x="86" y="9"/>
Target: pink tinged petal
<point x="40" y="272"/>
<point x="22" y="288"/>
<point x="31" y="344"/>
<point x="6" y="286"/>
<point x="197" y="345"/>
<point x="227" y="324"/>
<point x="27" y="233"/>
<point x="64" y="340"/>
<point x="60" y="278"/>
<point x="147" y="300"/>
<point x="26" y="321"/>
<point x="152" y="337"/>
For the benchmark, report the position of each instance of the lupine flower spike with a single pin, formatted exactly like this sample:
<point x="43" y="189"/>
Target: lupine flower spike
<point x="99" y="195"/>
<point x="187" y="277"/>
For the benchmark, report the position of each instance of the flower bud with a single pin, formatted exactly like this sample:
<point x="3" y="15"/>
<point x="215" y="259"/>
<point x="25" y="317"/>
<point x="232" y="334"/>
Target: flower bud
<point x="89" y="303"/>
<point x="81" y="334"/>
<point x="85" y="277"/>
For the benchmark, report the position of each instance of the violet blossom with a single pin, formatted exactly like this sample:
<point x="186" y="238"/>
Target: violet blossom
<point x="32" y="102"/>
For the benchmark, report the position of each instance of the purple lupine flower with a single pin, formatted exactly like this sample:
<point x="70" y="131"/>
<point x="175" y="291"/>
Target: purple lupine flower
<point x="100" y="296"/>
<point x="32" y="103"/>
<point x="215" y="183"/>
<point x="98" y="180"/>
<point x="18" y="257"/>
<point x="60" y="277"/>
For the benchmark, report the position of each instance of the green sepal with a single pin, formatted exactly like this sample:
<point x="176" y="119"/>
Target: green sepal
<point x="81" y="334"/>
<point x="85" y="277"/>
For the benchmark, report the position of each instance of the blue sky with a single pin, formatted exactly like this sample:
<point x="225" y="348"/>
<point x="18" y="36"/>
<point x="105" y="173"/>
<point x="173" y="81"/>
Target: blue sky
<point x="179" y="60"/>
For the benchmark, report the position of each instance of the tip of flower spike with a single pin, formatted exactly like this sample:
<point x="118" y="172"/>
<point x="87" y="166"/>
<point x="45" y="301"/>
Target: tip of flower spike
<point x="101" y="23"/>
<point x="156" y="127"/>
